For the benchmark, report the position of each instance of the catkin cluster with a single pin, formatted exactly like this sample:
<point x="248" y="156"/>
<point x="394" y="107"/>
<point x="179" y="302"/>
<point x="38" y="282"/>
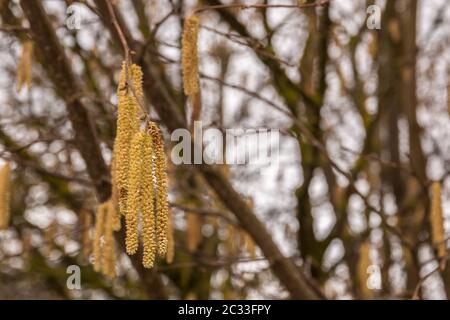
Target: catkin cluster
<point x="147" y="204"/>
<point x="5" y="177"/>
<point x="437" y="220"/>
<point x="189" y="58"/>
<point x="139" y="178"/>
<point x="128" y="93"/>
<point x="104" y="246"/>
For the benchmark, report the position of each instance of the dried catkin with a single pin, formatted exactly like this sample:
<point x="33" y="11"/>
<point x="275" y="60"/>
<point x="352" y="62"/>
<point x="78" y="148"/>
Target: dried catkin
<point x="437" y="221"/>
<point x="104" y="246"/>
<point x="162" y="204"/>
<point x="127" y="126"/>
<point x="149" y="233"/>
<point x="5" y="181"/>
<point x="134" y="192"/>
<point x="109" y="254"/>
<point x="24" y="66"/>
<point x="99" y="230"/>
<point x="189" y="59"/>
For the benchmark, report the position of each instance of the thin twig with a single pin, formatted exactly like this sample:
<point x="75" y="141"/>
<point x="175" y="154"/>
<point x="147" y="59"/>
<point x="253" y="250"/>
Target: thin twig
<point x="242" y="6"/>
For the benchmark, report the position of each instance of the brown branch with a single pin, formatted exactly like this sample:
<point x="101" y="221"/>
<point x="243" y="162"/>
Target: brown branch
<point x="242" y="6"/>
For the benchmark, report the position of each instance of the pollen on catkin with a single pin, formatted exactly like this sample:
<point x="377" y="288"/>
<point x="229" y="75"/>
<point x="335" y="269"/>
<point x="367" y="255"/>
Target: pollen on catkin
<point x="162" y="203"/>
<point x="189" y="58"/>
<point x="437" y="220"/>
<point x="5" y="181"/>
<point x="147" y="204"/>
<point x="134" y="193"/>
<point x="24" y="66"/>
<point x="127" y="125"/>
<point x="149" y="234"/>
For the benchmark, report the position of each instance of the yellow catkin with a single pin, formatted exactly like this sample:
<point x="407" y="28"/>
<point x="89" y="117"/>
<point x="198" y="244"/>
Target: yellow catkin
<point x="189" y="58"/>
<point x="170" y="240"/>
<point x="85" y="232"/>
<point x="162" y="204"/>
<point x="134" y="187"/>
<point x="193" y="230"/>
<point x="362" y="268"/>
<point x="109" y="255"/>
<point x="24" y="66"/>
<point x="99" y="230"/>
<point x="147" y="204"/>
<point x="437" y="221"/>
<point x="5" y="181"/>
<point x="127" y="126"/>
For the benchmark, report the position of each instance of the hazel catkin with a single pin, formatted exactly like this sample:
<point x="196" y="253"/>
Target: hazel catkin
<point x="134" y="189"/>
<point x="189" y="58"/>
<point x="162" y="204"/>
<point x="127" y="126"/>
<point x="147" y="204"/>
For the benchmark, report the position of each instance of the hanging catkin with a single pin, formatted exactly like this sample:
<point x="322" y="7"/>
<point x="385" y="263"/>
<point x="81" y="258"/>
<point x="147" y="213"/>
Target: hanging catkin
<point x="127" y="126"/>
<point x="99" y="226"/>
<point x="162" y="204"/>
<point x="146" y="177"/>
<point x="134" y="189"/>
<point x="149" y="233"/>
<point x="5" y="178"/>
<point x="109" y="253"/>
<point x="139" y="178"/>
<point x="104" y="246"/>
<point x="437" y="220"/>
<point x="24" y="66"/>
<point x="189" y="58"/>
